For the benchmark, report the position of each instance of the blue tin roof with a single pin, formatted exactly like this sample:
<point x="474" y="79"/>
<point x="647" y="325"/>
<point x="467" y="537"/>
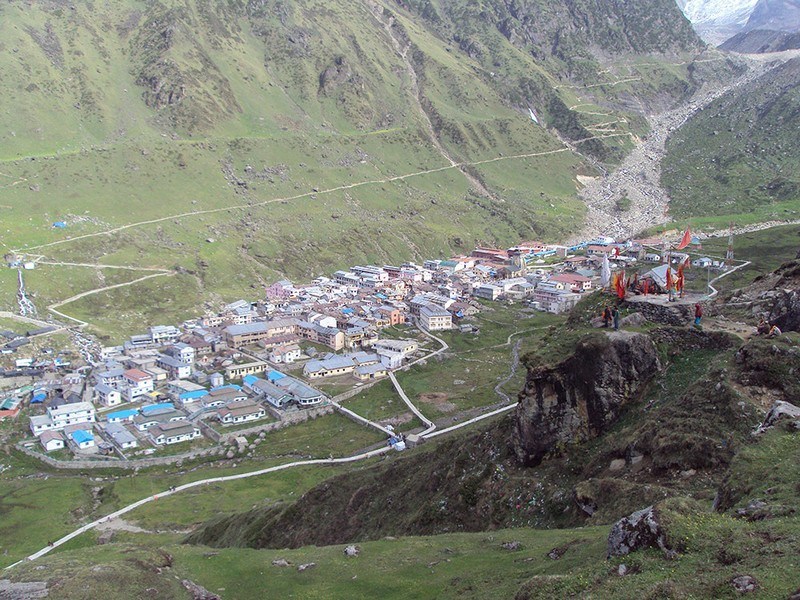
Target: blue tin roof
<point x="122" y="414"/>
<point x="81" y="436"/>
<point x="151" y="407"/>
<point x="275" y="375"/>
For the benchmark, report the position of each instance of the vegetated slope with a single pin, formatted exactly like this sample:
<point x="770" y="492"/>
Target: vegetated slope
<point x="677" y="438"/>
<point x="738" y="155"/>
<point x="252" y="120"/>
<point x="762" y="41"/>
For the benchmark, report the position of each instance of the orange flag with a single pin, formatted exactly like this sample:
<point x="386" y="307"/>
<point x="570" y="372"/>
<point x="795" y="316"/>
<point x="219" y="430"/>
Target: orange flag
<point x="685" y="240"/>
<point x="669" y="278"/>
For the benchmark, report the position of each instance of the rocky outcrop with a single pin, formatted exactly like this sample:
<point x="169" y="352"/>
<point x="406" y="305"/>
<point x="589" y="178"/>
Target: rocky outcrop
<point x="198" y="592"/>
<point x="781" y="412"/>
<point x="775" y="296"/>
<point x="579" y="398"/>
<point x="637" y="531"/>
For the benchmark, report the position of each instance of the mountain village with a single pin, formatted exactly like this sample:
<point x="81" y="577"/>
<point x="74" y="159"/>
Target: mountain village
<point x="255" y="366"/>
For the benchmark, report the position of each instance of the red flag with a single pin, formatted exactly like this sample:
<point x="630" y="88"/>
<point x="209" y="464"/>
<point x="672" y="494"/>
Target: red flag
<point x="669" y="278"/>
<point x="621" y="285"/>
<point x="685" y="240"/>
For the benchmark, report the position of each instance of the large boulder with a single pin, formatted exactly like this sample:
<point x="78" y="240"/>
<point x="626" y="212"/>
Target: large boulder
<point x="781" y="412"/>
<point x="637" y="531"/>
<point x="579" y="398"/>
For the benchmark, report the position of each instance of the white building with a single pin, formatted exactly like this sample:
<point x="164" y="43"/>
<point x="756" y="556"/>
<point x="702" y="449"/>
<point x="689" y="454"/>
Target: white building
<point x="163" y="334"/>
<point x="175" y="368"/>
<point x="434" y="318"/>
<point x="173" y="433"/>
<point x="59" y="417"/>
<point x="107" y="395"/>
<point x="51" y="440"/>
<point x="285" y="354"/>
<point x="137" y="383"/>
<point x="241" y="412"/>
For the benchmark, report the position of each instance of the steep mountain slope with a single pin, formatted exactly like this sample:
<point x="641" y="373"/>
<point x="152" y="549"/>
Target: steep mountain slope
<point x="775" y="15"/>
<point x="761" y="41"/>
<point x="738" y="156"/>
<point x="300" y="136"/>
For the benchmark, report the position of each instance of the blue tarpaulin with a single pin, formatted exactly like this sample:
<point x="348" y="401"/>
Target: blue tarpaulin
<point x="59" y="224"/>
<point x="38" y="398"/>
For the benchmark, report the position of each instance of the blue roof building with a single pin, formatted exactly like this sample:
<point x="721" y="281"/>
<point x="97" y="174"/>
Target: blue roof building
<point x="82" y="438"/>
<point x="275" y="375"/>
<point x="249" y="380"/>
<point x="122" y="415"/>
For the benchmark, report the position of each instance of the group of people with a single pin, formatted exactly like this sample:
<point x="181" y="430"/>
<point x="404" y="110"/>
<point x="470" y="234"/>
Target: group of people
<point x="611" y="316"/>
<point x="764" y="328"/>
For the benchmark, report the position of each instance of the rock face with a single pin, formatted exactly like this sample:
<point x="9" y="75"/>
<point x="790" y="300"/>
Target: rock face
<point x="637" y="531"/>
<point x="579" y="398"/>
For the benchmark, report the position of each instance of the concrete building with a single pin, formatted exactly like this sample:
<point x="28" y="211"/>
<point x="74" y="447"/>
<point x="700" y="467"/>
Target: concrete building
<point x="137" y="384"/>
<point x="61" y="416"/>
<point x="434" y="318"/>
<point x="173" y="433"/>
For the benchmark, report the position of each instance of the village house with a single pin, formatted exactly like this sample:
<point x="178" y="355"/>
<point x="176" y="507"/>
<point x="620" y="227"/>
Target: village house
<point x="137" y="384"/>
<point x="373" y="371"/>
<point x="111" y="377"/>
<point x="164" y="334"/>
<point x="224" y="396"/>
<point x="151" y="418"/>
<point x="122" y="416"/>
<point x="173" y="433"/>
<point x="238" y="336"/>
<point x="329" y="367"/>
<point x="175" y="367"/>
<point x="573" y="281"/>
<point x="51" y="440"/>
<point x="554" y="299"/>
<point x="276" y="396"/>
<point x="488" y="291"/>
<point x="107" y="395"/>
<point x="120" y="436"/>
<point x="239" y="371"/>
<point x="182" y="352"/>
<point x="82" y="439"/>
<point x="241" y="412"/>
<point x="285" y="354"/>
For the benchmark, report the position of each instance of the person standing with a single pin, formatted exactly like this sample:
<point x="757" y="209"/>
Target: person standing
<point x="615" y="316"/>
<point x="698" y="314"/>
<point x="606" y="316"/>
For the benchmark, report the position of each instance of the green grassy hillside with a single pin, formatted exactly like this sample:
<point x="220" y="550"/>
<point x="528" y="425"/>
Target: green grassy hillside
<point x="234" y="142"/>
<point x="738" y="157"/>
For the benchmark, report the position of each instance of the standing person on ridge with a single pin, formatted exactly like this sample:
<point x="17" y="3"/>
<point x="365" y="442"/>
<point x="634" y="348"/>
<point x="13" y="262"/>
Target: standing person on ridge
<point x="615" y="316"/>
<point x="606" y="317"/>
<point x="698" y="314"/>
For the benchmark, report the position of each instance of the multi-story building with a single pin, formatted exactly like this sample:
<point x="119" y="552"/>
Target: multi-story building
<point x="61" y="416"/>
<point x="435" y="318"/>
<point x="137" y="384"/>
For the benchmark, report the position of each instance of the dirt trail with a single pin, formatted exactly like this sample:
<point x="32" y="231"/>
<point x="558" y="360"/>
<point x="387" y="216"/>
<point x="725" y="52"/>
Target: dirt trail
<point x="639" y="176"/>
<point x="401" y="48"/>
